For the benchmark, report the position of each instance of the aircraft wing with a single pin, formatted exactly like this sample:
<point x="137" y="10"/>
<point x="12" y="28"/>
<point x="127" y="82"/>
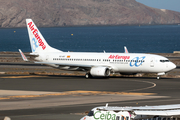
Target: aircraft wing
<point x="159" y="113"/>
<point x="146" y="108"/>
<point x="65" y="64"/>
<point x="158" y="107"/>
<point x="161" y="110"/>
<point x="69" y="66"/>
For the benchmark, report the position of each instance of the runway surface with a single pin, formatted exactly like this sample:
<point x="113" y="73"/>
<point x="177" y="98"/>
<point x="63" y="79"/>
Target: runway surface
<point x="69" y="97"/>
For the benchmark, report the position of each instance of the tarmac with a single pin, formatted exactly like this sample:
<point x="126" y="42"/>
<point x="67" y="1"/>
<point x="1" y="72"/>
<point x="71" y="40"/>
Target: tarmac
<point x="61" y="97"/>
<point x="34" y="92"/>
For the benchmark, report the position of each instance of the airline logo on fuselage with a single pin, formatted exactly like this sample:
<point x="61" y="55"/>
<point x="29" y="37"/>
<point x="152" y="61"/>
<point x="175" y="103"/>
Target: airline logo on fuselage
<point x="98" y="115"/>
<point x="137" y="61"/>
<point x="35" y="33"/>
<point x="119" y="57"/>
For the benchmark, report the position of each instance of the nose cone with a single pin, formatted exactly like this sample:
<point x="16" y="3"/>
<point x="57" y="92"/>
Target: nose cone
<point x="172" y="66"/>
<point x="84" y="118"/>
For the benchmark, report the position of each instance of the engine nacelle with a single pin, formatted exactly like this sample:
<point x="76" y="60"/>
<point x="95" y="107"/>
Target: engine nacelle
<point x="100" y="71"/>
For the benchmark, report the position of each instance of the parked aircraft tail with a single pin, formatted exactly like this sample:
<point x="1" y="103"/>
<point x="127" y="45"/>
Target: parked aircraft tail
<point x="37" y="41"/>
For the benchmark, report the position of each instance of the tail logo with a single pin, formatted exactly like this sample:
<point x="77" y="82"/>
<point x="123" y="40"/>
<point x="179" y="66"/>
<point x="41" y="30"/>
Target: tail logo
<point x="34" y="45"/>
<point x="35" y="33"/>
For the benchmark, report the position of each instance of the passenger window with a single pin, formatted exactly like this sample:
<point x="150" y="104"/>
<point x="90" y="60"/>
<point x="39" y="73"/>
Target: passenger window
<point x="122" y="118"/>
<point x="127" y="118"/>
<point x="117" y="118"/>
<point x="159" y="118"/>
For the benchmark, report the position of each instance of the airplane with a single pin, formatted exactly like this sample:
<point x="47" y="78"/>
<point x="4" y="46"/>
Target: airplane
<point x="161" y="112"/>
<point x="94" y="64"/>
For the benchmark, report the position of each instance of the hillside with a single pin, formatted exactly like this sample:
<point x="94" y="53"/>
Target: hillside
<point x="82" y="12"/>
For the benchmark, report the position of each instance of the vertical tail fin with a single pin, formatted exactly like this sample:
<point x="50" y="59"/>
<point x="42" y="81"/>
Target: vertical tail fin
<point x="37" y="41"/>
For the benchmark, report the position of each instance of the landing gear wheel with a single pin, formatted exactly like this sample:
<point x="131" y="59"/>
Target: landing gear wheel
<point x="88" y="75"/>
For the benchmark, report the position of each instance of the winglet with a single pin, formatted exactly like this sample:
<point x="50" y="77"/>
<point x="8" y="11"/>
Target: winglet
<point x="106" y="104"/>
<point x="125" y="49"/>
<point x="23" y="56"/>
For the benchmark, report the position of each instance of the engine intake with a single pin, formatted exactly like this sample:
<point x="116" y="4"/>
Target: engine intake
<point x="100" y="71"/>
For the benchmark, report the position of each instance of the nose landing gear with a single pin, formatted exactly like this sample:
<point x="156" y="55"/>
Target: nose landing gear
<point x="159" y="74"/>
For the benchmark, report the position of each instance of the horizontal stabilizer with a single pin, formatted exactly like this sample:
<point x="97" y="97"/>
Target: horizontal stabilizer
<point x="33" y="55"/>
<point x="23" y="56"/>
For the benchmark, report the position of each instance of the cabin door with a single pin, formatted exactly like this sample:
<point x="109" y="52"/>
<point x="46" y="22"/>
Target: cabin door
<point x="152" y="62"/>
<point x="47" y="57"/>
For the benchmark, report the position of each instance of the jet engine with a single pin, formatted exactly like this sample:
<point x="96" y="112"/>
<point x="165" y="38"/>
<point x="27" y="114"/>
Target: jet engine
<point x="100" y="71"/>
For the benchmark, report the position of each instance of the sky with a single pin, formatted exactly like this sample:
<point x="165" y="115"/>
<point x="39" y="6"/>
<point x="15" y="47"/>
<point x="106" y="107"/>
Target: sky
<point x="162" y="4"/>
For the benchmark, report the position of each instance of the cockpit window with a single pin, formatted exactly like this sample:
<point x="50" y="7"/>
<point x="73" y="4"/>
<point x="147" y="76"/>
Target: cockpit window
<point x="91" y="113"/>
<point x="164" y="60"/>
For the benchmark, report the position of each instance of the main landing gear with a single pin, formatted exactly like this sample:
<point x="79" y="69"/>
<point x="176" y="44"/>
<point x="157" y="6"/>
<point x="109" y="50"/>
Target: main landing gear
<point x="88" y="75"/>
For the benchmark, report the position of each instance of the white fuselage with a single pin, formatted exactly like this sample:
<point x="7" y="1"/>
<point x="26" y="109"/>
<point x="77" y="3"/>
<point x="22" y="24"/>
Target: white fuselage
<point x="118" y="62"/>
